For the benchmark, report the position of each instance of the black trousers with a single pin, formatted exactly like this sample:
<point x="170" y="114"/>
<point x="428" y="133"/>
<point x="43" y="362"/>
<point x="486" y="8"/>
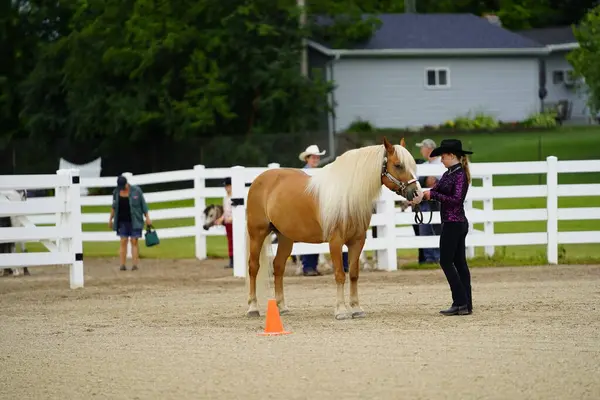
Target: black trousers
<point x="453" y="261"/>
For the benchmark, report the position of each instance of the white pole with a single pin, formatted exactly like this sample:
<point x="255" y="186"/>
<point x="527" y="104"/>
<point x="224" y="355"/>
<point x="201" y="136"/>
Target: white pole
<point x="238" y="196"/>
<point x="76" y="247"/>
<point x="199" y="206"/>
<point x="488" y="209"/>
<point x="387" y="259"/>
<point x="552" y="208"/>
<point x="304" y="57"/>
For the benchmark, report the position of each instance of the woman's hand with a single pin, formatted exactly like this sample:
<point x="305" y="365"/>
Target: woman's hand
<point x="426" y="195"/>
<point x="219" y="221"/>
<point x="148" y="221"/>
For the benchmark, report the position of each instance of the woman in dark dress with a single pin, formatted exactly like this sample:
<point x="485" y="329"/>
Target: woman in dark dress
<point x="451" y="191"/>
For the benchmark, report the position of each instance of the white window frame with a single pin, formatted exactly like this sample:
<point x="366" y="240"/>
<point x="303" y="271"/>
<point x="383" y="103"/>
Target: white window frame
<point x="437" y="72"/>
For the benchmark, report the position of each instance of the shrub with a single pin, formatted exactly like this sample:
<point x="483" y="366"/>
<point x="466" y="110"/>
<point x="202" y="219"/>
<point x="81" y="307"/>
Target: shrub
<point x="545" y="119"/>
<point x="479" y="120"/>
<point x="360" y="125"/>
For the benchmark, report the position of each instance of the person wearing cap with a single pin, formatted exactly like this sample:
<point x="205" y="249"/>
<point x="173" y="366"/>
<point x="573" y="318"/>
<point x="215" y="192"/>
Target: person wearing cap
<point x="429" y="255"/>
<point x="127" y="214"/>
<point x="311" y="156"/>
<point x="451" y="191"/>
<point x="227" y="219"/>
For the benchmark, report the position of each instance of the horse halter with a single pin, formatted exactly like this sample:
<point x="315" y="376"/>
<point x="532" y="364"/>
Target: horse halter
<point x="402" y="190"/>
<point x="401" y="185"/>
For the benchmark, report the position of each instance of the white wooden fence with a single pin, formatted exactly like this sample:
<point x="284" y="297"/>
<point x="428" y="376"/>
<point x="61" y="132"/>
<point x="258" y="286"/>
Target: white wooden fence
<point x="63" y="240"/>
<point x="388" y="240"/>
<point x="390" y="236"/>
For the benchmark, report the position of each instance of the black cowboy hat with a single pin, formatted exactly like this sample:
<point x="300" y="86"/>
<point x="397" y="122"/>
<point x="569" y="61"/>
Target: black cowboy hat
<point x="453" y="146"/>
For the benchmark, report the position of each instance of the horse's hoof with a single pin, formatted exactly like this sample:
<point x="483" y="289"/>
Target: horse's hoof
<point x="342" y="316"/>
<point x="358" y="314"/>
<point x="284" y="311"/>
<point x="254" y="313"/>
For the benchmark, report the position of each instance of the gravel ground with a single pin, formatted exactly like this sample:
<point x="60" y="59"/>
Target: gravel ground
<point x="176" y="329"/>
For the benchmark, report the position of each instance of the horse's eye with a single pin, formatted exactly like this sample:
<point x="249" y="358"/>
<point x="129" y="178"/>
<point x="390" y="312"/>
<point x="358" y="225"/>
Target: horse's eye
<point x="399" y="166"/>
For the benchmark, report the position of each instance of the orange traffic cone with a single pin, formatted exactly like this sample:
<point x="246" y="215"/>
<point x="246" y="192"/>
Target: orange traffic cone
<point x="273" y="324"/>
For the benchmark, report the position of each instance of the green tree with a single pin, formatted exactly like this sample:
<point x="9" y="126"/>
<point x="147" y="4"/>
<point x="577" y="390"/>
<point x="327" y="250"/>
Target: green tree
<point x="586" y="58"/>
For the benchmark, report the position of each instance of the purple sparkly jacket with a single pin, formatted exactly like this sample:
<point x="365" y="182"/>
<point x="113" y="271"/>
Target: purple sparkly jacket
<point x="451" y="191"/>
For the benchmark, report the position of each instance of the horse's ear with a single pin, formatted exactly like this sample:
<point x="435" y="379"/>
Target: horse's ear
<point x="388" y="146"/>
<point x="402" y="142"/>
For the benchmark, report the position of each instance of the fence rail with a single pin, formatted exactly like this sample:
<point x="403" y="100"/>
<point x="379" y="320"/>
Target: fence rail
<point x="393" y="224"/>
<point x="63" y="240"/>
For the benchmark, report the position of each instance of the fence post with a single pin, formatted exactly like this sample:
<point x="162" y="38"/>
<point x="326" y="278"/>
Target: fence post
<point x="470" y="249"/>
<point x="387" y="259"/>
<point x="488" y="209"/>
<point x="238" y="188"/>
<point x="199" y="206"/>
<point x="62" y="218"/>
<point x="75" y="226"/>
<point x="552" y="209"/>
<point x="129" y="177"/>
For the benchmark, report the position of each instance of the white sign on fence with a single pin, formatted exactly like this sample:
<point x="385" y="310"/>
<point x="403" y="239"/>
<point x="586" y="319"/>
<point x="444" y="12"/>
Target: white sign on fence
<point x="63" y="240"/>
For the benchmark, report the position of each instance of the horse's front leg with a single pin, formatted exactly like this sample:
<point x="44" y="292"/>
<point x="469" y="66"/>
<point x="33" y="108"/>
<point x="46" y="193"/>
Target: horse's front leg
<point x="354" y="250"/>
<point x="335" y="250"/>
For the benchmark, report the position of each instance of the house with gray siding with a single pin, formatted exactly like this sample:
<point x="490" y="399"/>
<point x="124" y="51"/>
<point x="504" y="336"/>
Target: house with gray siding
<point x="424" y="69"/>
<point x="560" y="86"/>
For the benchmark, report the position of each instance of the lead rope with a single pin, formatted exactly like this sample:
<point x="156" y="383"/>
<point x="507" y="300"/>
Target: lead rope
<point x="419" y="214"/>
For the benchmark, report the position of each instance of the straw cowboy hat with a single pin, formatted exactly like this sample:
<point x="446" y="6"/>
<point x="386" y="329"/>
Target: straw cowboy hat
<point x="312" y="150"/>
<point x="453" y="146"/>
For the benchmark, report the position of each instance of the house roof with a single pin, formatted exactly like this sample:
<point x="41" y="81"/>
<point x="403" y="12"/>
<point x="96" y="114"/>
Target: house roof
<point x="556" y="38"/>
<point x="547" y="36"/>
<point x="414" y="34"/>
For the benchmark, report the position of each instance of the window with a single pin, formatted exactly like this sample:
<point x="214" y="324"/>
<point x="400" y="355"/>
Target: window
<point x="437" y="78"/>
<point x="558" y="76"/>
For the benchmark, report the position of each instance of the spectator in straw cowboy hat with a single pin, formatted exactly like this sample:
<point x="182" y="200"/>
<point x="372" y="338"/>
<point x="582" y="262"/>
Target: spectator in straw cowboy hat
<point x="451" y="191"/>
<point x="312" y="157"/>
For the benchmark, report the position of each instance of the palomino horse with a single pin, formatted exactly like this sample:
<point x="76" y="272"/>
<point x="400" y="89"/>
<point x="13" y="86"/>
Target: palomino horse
<point x="214" y="211"/>
<point x="335" y="205"/>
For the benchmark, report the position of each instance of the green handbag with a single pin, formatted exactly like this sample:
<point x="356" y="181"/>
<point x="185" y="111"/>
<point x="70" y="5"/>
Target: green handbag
<point x="151" y="236"/>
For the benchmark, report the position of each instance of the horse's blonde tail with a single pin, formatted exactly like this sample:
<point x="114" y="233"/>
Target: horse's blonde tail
<point x="264" y="271"/>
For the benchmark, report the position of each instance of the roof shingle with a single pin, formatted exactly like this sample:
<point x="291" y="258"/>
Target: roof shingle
<point x="442" y="31"/>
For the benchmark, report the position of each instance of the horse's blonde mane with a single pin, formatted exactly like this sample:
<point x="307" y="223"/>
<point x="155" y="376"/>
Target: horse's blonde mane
<point x="346" y="188"/>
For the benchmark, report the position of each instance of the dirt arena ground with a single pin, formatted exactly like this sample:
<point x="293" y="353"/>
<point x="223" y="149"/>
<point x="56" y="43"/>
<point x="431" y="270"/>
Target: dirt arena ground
<point x="177" y="330"/>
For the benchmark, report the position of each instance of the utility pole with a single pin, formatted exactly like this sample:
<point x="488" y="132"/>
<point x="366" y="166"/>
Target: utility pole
<point x="410" y="6"/>
<point x="304" y="57"/>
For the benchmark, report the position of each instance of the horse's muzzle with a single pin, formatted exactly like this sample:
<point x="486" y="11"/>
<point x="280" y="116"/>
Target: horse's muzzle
<point x="411" y="192"/>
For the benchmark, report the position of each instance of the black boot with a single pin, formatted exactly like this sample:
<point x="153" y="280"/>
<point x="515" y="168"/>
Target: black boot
<point x="230" y="263"/>
<point x="456" y="310"/>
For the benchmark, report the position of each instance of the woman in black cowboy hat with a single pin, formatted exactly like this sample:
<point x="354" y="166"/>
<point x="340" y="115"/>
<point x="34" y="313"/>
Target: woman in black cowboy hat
<point x="451" y="191"/>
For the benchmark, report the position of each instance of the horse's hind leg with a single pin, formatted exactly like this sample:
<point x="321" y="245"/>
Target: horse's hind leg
<point x="284" y="249"/>
<point x="256" y="237"/>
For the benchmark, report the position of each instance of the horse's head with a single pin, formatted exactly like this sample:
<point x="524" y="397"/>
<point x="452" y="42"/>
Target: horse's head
<point x="398" y="171"/>
<point x="211" y="214"/>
